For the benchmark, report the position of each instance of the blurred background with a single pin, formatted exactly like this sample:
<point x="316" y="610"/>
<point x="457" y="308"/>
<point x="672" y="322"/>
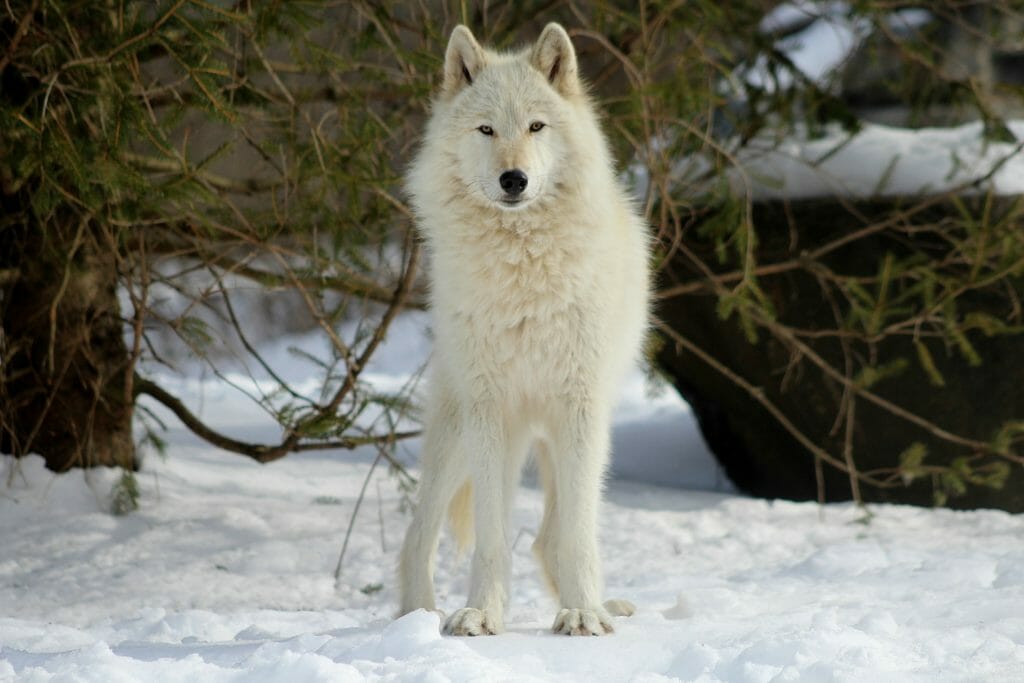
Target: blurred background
<point x="204" y="235"/>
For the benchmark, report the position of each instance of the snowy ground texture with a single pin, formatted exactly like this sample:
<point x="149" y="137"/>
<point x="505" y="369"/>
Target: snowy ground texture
<point x="225" y="574"/>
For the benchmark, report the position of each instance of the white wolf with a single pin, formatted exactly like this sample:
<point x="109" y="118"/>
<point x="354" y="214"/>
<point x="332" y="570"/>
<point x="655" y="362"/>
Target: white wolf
<point x="539" y="292"/>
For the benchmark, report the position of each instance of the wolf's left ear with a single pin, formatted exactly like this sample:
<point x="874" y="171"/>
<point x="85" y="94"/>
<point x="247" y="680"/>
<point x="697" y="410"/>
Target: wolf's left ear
<point x="553" y="55"/>
<point x="463" y="60"/>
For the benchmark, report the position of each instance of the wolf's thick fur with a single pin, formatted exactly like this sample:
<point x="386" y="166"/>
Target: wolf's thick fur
<point x="539" y="292"/>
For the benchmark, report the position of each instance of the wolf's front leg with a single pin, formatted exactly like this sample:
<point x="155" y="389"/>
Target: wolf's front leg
<point x="578" y="460"/>
<point x="444" y="468"/>
<point x="416" y="561"/>
<point x="488" y="590"/>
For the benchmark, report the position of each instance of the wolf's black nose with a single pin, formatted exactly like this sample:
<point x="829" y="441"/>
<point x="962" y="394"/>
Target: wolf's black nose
<point x="513" y="182"/>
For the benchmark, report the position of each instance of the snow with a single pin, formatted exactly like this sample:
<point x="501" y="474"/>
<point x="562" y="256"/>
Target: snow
<point x="882" y="161"/>
<point x="225" y="574"/>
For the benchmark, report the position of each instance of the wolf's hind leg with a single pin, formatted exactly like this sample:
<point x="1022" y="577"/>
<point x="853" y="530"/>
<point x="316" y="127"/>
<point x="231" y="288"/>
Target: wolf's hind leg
<point x="544" y="548"/>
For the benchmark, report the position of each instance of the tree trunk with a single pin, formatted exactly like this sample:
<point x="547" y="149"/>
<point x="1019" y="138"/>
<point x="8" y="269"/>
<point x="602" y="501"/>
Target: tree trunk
<point x="63" y="391"/>
<point x="758" y="453"/>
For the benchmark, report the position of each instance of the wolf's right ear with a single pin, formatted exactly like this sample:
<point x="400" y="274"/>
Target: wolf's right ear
<point x="554" y="56"/>
<point x="463" y="60"/>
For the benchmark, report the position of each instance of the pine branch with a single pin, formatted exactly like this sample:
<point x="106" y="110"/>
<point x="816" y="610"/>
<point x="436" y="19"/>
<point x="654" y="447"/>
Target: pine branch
<point x="237" y="186"/>
<point x="19" y="34"/>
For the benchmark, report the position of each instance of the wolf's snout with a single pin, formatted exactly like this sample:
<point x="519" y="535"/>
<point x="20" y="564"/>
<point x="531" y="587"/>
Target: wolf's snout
<point x="513" y="182"/>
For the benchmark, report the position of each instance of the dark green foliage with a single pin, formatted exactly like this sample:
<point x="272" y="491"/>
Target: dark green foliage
<point x="911" y="326"/>
<point x="853" y="313"/>
<point x="202" y="147"/>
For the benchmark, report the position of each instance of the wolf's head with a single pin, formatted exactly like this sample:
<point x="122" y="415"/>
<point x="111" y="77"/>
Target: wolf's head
<point x="508" y="117"/>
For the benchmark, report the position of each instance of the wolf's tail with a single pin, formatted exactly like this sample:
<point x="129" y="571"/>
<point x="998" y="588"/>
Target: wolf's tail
<point x="460" y="516"/>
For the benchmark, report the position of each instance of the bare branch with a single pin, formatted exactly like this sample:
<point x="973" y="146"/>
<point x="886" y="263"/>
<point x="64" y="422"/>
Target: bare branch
<point x="262" y="453"/>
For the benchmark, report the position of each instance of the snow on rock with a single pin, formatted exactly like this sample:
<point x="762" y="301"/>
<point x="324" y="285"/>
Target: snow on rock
<point x="225" y="574"/>
<point x="881" y="161"/>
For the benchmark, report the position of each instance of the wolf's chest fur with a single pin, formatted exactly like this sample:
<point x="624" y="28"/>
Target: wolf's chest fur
<point x="514" y="305"/>
<point x="507" y="280"/>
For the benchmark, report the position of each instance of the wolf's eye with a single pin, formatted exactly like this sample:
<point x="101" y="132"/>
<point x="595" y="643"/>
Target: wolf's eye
<point x="486" y="130"/>
<point x="536" y="125"/>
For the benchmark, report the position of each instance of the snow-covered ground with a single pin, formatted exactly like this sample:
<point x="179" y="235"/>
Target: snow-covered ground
<point x="225" y="574"/>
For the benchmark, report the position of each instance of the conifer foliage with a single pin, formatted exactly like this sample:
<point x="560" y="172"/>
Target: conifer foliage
<point x="159" y="160"/>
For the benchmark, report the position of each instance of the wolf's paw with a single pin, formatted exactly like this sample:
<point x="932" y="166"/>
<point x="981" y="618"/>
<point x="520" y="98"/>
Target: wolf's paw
<point x="583" y="622"/>
<point x="470" y="621"/>
<point x="620" y="608"/>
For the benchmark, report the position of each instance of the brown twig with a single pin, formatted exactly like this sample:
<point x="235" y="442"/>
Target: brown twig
<point x="262" y="453"/>
<point x="758" y="395"/>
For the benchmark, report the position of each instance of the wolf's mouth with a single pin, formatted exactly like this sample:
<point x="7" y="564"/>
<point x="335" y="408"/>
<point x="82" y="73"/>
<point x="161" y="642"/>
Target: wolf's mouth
<point x="516" y="204"/>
